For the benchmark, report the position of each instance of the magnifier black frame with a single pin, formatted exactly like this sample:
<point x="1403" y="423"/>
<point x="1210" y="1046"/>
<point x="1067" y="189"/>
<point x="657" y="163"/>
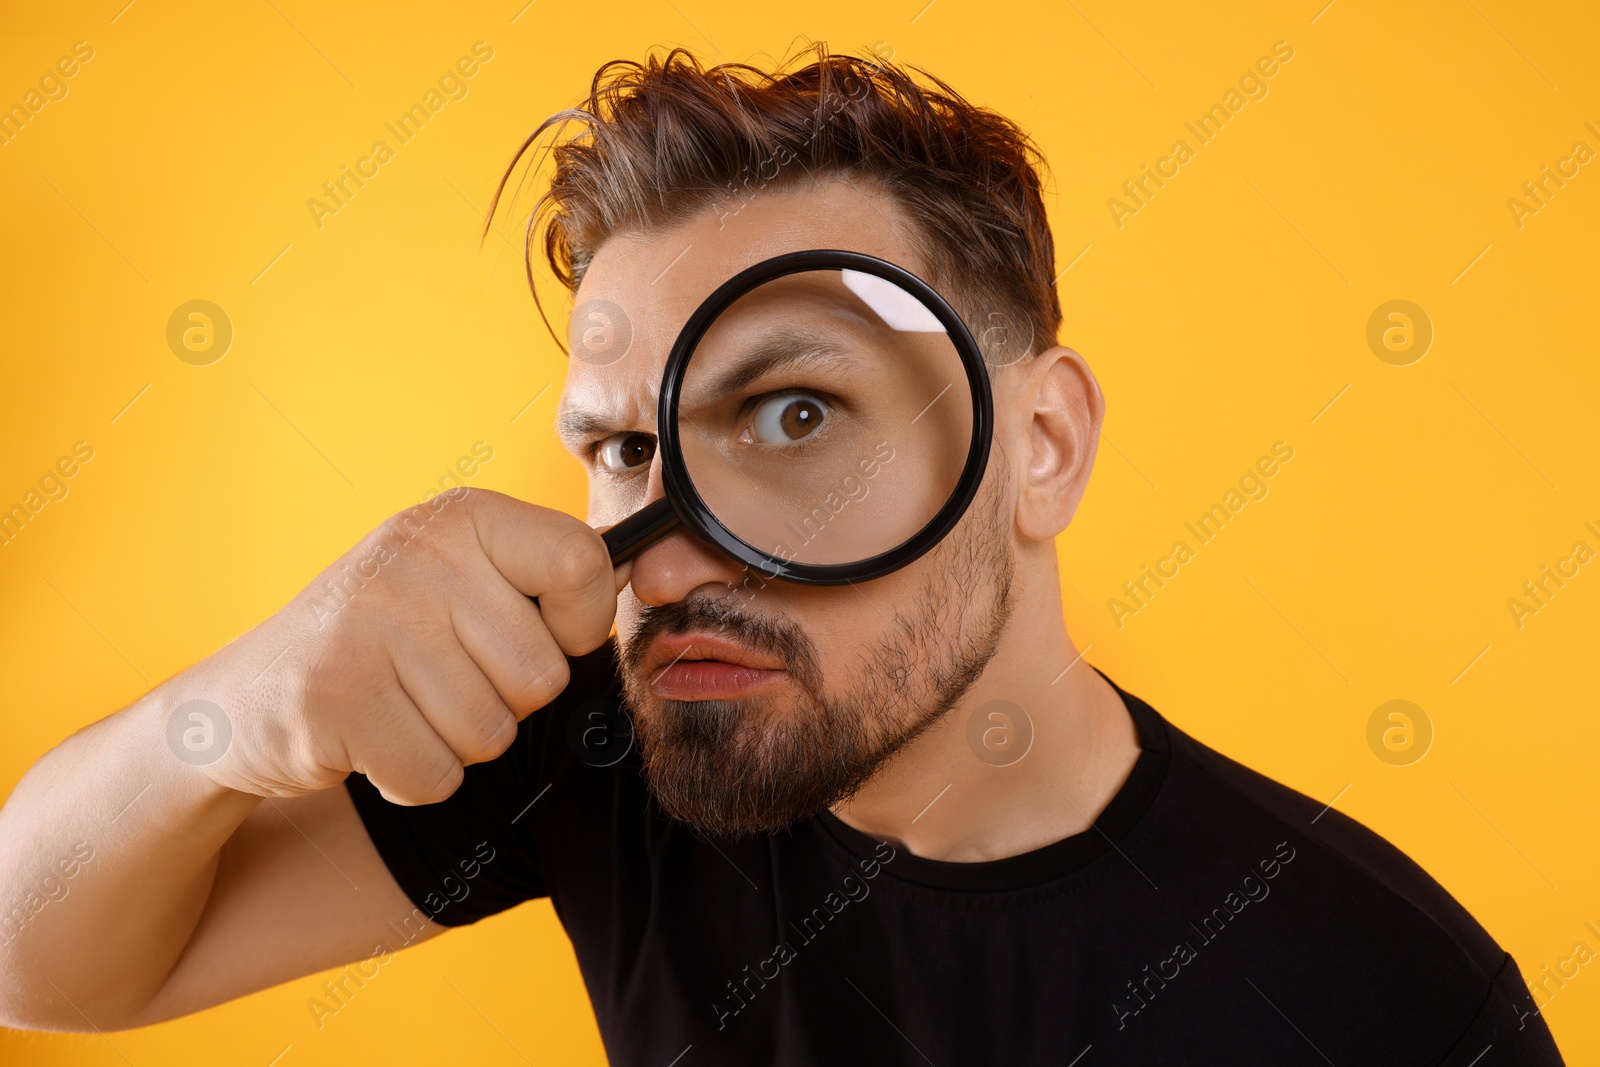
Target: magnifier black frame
<point x="683" y="504"/>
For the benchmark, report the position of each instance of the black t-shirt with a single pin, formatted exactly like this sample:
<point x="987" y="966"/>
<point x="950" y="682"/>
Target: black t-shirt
<point x="1210" y="916"/>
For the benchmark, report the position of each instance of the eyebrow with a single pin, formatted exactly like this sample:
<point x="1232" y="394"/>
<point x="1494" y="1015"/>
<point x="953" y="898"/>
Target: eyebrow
<point x="577" y="424"/>
<point x="775" y="352"/>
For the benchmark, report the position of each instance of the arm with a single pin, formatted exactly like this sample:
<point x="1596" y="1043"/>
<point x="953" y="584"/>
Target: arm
<point x="192" y="896"/>
<point x="223" y="855"/>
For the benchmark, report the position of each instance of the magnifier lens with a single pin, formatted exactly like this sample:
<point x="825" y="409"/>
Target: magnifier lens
<point x="825" y="417"/>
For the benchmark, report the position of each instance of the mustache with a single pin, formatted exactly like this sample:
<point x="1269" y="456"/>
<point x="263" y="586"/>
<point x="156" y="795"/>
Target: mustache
<point x="708" y="613"/>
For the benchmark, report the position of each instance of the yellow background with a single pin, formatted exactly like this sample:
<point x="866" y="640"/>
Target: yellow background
<point x="1226" y="315"/>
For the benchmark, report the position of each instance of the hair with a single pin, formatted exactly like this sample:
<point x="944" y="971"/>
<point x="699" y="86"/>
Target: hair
<point x="667" y="138"/>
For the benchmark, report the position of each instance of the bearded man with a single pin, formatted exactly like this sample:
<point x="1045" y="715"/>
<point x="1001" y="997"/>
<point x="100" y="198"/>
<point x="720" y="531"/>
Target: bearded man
<point x="894" y="821"/>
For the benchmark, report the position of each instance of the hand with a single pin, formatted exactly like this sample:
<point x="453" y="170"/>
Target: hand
<point x="414" y="654"/>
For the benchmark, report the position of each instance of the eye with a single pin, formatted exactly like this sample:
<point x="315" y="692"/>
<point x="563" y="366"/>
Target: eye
<point x="788" y="417"/>
<point x="626" y="451"/>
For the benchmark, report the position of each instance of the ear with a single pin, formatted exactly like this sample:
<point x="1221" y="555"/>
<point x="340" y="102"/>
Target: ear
<point x="1059" y="413"/>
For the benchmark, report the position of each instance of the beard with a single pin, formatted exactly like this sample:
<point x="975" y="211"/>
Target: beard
<point x="733" y="768"/>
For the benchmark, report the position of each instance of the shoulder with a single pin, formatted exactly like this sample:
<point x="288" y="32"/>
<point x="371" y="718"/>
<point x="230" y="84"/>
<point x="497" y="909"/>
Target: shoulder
<point x="1343" y="848"/>
<point x="1345" y="854"/>
<point x="1354" y="928"/>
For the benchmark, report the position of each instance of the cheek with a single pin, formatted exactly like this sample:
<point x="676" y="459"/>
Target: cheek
<point x="847" y="623"/>
<point x="612" y="499"/>
<point x="605" y="508"/>
<point x="628" y="607"/>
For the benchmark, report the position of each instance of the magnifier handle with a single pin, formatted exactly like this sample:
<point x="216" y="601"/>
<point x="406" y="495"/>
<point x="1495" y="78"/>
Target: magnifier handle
<point x="635" y="533"/>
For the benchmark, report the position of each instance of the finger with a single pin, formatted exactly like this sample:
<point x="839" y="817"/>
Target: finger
<point x="454" y="697"/>
<point x="393" y="745"/>
<point x="555" y="557"/>
<point x="505" y="635"/>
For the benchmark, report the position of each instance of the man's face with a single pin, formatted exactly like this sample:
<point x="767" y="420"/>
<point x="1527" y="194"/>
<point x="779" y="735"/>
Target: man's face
<point x="757" y="702"/>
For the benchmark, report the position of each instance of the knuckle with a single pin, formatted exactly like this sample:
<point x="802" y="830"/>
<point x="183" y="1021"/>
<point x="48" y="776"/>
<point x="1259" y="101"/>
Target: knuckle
<point x="537" y="684"/>
<point x="492" y="738"/>
<point x="442" y="779"/>
<point x="400" y="527"/>
<point x="588" y="640"/>
<point x="578" y="558"/>
<point x="330" y="681"/>
<point x="421" y="522"/>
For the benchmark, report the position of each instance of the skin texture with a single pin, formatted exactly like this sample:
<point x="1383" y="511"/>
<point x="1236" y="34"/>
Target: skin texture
<point x="254" y="869"/>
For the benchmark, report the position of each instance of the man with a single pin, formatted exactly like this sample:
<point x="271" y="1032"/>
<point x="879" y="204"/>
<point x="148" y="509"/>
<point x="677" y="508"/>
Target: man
<point x="899" y="822"/>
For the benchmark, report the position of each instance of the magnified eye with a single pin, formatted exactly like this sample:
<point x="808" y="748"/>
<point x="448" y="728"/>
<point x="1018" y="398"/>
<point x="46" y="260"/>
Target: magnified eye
<point x="788" y="417"/>
<point x="625" y="451"/>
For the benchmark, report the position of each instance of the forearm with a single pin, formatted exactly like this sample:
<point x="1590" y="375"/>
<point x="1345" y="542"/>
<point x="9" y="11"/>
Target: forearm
<point x="119" y="904"/>
<point x="108" y="848"/>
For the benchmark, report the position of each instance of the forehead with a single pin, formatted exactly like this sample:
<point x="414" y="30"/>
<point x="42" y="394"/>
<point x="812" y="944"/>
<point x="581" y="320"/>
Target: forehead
<point x="643" y="287"/>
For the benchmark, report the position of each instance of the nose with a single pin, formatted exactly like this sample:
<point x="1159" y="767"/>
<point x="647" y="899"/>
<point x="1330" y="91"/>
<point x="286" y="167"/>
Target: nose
<point x="681" y="562"/>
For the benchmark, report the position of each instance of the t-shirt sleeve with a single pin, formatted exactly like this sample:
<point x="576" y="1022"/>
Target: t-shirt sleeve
<point x="476" y="853"/>
<point x="1509" y="1029"/>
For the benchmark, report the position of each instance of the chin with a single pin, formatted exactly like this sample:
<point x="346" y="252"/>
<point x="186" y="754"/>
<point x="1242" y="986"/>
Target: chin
<point x="728" y="768"/>
<point x="745" y="721"/>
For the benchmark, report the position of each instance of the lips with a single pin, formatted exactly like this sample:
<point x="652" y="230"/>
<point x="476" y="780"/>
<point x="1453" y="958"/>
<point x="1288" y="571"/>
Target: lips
<point x="702" y="666"/>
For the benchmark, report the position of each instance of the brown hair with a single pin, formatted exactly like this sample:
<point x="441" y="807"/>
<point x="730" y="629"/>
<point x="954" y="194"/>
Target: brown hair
<point x="667" y="138"/>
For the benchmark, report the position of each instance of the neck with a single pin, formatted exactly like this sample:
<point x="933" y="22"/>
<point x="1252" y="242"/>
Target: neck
<point x="968" y="791"/>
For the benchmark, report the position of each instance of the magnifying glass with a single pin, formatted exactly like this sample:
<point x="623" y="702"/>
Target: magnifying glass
<point x="825" y="417"/>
